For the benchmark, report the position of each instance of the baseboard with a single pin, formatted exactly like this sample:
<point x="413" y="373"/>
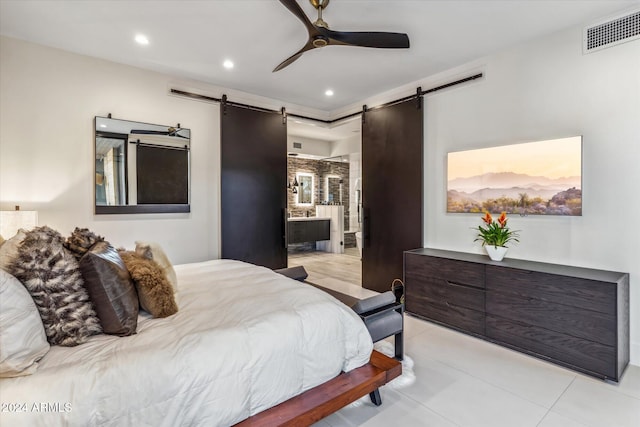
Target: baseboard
<point x="635" y="353"/>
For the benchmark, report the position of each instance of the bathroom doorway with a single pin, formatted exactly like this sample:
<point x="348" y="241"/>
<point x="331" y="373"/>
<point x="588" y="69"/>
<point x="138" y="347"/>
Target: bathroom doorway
<point x="324" y="201"/>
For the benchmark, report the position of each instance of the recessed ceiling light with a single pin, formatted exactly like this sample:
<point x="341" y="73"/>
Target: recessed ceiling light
<point x="228" y="64"/>
<point x="142" y="39"/>
<point x="328" y="92"/>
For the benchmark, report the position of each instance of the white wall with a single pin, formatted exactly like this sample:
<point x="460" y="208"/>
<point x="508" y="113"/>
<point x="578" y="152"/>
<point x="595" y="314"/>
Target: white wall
<point x="48" y="103"/>
<point x="314" y="147"/>
<point x="49" y="99"/>
<point x="542" y="90"/>
<point x="343" y="147"/>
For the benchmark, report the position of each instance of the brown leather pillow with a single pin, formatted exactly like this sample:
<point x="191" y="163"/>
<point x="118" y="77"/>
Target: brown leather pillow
<point x="111" y="290"/>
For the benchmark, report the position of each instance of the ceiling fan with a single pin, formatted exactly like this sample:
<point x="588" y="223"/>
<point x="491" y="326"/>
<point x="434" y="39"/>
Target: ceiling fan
<point x="320" y="35"/>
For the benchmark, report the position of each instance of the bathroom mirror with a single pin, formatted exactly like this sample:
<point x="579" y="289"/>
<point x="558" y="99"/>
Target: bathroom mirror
<point x="334" y="189"/>
<point x="305" y="192"/>
<point x="141" y="167"/>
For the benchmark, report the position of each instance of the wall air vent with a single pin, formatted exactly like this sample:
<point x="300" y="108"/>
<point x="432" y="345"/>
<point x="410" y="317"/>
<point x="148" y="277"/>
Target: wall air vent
<point x="297" y="145"/>
<point x="613" y="31"/>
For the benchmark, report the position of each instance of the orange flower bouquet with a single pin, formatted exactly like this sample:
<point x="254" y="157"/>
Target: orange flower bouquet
<point x="496" y="233"/>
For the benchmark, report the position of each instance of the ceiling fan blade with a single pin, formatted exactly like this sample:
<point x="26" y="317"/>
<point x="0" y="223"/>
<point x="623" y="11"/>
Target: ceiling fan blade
<point x="368" y="39"/>
<point x="294" y="57"/>
<point x="295" y="8"/>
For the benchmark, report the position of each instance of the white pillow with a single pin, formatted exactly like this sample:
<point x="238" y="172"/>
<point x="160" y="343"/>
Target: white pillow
<point x="153" y="251"/>
<point x="9" y="249"/>
<point x="23" y="341"/>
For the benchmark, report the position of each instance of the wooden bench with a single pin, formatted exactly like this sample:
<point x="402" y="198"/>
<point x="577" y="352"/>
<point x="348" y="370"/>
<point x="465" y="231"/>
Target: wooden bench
<point x="325" y="399"/>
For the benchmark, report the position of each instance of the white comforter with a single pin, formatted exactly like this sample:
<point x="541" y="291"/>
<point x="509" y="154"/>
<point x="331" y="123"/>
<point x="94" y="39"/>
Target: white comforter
<point x="244" y="339"/>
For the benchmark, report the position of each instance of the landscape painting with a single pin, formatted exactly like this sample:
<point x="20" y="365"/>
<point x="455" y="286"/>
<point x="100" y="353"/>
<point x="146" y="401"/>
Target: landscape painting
<point x="537" y="178"/>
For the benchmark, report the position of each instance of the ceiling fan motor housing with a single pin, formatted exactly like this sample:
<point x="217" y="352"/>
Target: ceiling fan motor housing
<point x="320" y="41"/>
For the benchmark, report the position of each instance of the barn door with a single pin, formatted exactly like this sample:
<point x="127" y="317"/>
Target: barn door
<point x="253" y="186"/>
<point x="392" y="190"/>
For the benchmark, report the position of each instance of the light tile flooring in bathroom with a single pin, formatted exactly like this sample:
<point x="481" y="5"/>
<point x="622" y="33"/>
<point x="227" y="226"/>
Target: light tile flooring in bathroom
<point x="322" y="265"/>
<point x="464" y="381"/>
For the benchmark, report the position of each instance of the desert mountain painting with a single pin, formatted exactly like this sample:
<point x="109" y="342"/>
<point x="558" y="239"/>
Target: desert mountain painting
<point x="538" y="178"/>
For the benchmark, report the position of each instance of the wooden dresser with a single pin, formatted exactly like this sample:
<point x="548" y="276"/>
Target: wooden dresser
<point x="575" y="317"/>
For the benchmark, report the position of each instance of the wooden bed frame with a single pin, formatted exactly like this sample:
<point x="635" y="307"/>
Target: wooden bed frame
<point x="325" y="399"/>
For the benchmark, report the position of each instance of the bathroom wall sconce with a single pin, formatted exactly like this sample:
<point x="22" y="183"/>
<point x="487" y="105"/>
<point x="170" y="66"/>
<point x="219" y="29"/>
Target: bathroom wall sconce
<point x="12" y="221"/>
<point x="294" y="185"/>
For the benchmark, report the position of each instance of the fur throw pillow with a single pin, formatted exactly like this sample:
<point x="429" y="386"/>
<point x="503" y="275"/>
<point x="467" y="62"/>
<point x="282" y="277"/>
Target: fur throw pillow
<point x="154" y="290"/>
<point x="52" y="276"/>
<point x="154" y="251"/>
<point x="81" y="240"/>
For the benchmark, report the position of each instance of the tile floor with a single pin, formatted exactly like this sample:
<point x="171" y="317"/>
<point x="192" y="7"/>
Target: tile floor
<point x="321" y="265"/>
<point x="464" y="381"/>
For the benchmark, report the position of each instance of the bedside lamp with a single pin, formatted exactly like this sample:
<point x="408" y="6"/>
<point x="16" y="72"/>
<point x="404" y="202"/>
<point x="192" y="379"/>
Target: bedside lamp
<point x="12" y="221"/>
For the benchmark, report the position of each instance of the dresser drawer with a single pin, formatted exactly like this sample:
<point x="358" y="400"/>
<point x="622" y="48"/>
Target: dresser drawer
<point x="571" y="291"/>
<point x="454" y="271"/>
<point x="574" y="321"/>
<point x="440" y="291"/>
<point x="584" y="355"/>
<point x="451" y="315"/>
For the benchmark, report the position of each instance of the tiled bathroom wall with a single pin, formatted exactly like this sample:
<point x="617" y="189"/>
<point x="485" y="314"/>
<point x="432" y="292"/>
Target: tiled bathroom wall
<point x="320" y="169"/>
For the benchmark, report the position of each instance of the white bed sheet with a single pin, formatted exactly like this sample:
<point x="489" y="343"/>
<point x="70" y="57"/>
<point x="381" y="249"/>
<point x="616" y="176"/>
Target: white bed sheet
<point x="244" y="339"/>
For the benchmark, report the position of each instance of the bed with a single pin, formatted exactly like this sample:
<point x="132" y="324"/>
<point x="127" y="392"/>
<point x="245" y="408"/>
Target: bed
<point x="244" y="340"/>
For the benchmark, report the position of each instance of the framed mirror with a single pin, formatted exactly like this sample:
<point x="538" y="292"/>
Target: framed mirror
<point x="141" y="167"/>
<point x="305" y="191"/>
<point x="333" y="189"/>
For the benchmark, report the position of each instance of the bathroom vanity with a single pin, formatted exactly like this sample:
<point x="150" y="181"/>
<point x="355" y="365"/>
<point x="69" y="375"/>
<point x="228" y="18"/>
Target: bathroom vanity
<point x="308" y="229"/>
<point x="326" y="229"/>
